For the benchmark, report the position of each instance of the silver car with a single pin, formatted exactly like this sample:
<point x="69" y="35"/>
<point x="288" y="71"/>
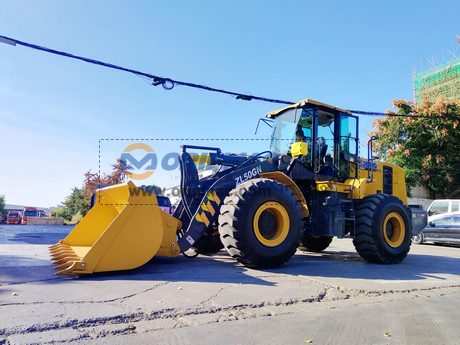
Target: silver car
<point x="442" y="229"/>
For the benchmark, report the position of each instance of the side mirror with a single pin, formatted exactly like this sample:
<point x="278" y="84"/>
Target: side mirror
<point x="432" y="224"/>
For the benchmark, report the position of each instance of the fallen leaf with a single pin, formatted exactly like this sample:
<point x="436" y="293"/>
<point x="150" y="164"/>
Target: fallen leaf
<point x="308" y="341"/>
<point x="131" y="326"/>
<point x="386" y="334"/>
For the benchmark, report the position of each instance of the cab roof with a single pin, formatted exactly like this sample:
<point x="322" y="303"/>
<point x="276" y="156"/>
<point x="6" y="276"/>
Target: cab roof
<point x="305" y="102"/>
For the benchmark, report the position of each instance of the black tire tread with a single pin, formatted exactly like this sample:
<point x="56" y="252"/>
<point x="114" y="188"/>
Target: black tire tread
<point x="230" y="226"/>
<point x="366" y="239"/>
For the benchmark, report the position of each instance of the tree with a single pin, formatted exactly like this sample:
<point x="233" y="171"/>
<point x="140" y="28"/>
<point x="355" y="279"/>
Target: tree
<point x="79" y="201"/>
<point x="426" y="147"/>
<point x="63" y="212"/>
<point x="118" y="175"/>
<point x="152" y="188"/>
<point x="2" y="205"/>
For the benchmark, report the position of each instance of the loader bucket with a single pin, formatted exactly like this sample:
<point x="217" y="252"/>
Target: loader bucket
<point x="123" y="230"/>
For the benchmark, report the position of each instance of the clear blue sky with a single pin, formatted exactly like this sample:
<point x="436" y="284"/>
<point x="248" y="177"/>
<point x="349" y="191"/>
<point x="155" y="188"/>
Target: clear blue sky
<point x="53" y="110"/>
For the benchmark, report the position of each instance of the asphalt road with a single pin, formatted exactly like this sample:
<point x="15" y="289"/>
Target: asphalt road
<point x="333" y="297"/>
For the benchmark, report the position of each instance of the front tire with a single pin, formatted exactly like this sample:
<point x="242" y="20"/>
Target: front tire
<point x="383" y="229"/>
<point x="260" y="223"/>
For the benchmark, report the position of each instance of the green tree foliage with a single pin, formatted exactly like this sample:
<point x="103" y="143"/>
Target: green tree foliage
<point x="152" y="188"/>
<point x="77" y="202"/>
<point x="2" y="205"/>
<point x="427" y="148"/>
<point x="63" y="212"/>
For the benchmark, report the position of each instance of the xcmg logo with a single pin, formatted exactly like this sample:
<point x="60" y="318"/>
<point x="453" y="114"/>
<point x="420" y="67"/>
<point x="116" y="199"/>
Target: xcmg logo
<point x="150" y="156"/>
<point x="366" y="164"/>
<point x="169" y="162"/>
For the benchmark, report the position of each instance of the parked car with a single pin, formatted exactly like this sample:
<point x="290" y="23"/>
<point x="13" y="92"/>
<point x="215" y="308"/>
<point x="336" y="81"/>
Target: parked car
<point x="443" y="206"/>
<point x="165" y="204"/>
<point x="13" y="217"/>
<point x="443" y="229"/>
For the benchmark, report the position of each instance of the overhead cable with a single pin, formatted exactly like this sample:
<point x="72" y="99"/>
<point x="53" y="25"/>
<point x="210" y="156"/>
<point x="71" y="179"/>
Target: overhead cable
<point x="169" y="83"/>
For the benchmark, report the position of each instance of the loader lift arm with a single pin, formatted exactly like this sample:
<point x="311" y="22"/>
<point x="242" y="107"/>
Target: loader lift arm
<point x="202" y="199"/>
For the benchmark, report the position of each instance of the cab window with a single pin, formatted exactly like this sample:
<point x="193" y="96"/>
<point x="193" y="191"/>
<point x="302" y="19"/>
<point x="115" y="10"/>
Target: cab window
<point x="304" y="133"/>
<point x="348" y="134"/>
<point x="348" y="146"/>
<point x="324" y="143"/>
<point x="284" y="132"/>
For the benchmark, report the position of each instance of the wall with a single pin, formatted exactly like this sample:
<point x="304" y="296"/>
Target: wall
<point x="45" y="221"/>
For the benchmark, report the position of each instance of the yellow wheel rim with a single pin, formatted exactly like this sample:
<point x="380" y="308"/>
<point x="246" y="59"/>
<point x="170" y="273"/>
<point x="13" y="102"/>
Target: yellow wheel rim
<point x="271" y="224"/>
<point x="394" y="229"/>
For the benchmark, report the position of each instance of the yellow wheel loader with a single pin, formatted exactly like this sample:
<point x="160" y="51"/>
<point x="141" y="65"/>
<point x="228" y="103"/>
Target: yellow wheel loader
<point x="309" y="187"/>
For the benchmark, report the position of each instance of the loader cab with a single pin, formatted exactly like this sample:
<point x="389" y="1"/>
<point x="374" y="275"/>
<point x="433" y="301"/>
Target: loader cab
<point x="331" y="135"/>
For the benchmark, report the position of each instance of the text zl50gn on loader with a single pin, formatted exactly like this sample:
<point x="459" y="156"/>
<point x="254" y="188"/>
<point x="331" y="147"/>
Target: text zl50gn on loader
<point x="310" y="187"/>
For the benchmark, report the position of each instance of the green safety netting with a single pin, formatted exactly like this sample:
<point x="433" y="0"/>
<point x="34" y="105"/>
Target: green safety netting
<point x="442" y="79"/>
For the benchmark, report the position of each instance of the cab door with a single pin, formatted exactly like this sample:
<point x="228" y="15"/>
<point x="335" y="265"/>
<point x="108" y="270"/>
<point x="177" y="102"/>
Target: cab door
<point x="346" y="147"/>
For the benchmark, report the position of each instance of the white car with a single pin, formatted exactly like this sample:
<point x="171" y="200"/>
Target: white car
<point x="441" y="207"/>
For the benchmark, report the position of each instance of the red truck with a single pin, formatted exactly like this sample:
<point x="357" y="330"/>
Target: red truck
<point x="13" y="218"/>
<point x="27" y="213"/>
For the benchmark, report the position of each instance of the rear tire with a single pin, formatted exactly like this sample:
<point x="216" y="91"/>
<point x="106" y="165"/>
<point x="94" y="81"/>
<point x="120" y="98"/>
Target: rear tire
<point x="383" y="229"/>
<point x="260" y="223"/>
<point x="315" y="244"/>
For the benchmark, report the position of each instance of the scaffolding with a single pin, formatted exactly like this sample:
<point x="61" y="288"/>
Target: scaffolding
<point x="442" y="79"/>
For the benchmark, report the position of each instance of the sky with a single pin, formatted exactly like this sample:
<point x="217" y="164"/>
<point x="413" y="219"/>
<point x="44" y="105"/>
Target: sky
<point x="60" y="118"/>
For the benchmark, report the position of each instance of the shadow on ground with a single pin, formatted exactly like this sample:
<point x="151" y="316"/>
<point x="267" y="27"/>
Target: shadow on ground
<point x="351" y="265"/>
<point x="222" y="268"/>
